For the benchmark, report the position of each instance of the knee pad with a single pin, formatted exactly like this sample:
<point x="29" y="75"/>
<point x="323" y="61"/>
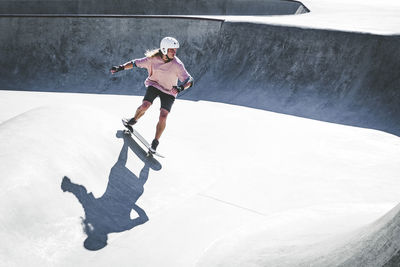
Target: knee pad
<point x="146" y="104"/>
<point x="164" y="113"/>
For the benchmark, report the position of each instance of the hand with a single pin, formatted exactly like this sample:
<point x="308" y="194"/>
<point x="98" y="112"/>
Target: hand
<point x="115" y="69"/>
<point x="177" y="89"/>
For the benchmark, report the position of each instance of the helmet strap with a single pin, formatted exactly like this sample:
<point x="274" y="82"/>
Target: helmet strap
<point x="168" y="59"/>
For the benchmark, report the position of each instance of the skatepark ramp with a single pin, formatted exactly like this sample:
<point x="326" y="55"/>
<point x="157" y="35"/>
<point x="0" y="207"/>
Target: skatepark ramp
<point x="375" y="244"/>
<point x="341" y="77"/>
<point x="368" y="246"/>
<point x="53" y="155"/>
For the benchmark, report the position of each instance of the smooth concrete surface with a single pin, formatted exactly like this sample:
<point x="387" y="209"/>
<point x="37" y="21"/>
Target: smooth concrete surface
<point x="284" y="153"/>
<point x="367" y="16"/>
<point x="247" y="188"/>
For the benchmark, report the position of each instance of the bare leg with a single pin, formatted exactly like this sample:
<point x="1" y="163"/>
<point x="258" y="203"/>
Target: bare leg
<point x="142" y="109"/>
<point x="162" y="122"/>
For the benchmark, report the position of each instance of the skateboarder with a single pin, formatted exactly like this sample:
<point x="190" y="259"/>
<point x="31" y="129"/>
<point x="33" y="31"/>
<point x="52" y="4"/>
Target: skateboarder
<point x="164" y="69"/>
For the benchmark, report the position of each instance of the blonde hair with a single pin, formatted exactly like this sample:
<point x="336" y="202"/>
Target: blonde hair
<point x="153" y="53"/>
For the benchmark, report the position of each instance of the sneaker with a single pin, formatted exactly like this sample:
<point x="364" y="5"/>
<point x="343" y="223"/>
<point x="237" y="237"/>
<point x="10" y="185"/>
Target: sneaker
<point x="132" y="121"/>
<point x="154" y="145"/>
<point x="128" y="123"/>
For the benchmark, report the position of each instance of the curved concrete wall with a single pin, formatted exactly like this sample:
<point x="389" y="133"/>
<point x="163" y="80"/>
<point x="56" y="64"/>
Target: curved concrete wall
<point x="339" y="77"/>
<point x="151" y="7"/>
<point x="75" y="53"/>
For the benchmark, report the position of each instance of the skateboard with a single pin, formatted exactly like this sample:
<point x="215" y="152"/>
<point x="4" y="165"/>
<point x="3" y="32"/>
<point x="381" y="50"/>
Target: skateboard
<point x="130" y="131"/>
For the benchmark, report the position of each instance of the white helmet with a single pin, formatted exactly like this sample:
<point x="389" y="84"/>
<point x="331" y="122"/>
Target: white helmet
<point x="168" y="42"/>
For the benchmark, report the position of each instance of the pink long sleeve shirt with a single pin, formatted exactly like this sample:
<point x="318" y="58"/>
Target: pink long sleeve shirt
<point x="163" y="76"/>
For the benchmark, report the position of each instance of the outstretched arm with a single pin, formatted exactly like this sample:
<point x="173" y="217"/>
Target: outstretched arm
<point x="126" y="66"/>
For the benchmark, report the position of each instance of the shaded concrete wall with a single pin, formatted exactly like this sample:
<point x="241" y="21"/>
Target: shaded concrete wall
<point x="339" y="77"/>
<point x="152" y="7"/>
<point x="74" y="54"/>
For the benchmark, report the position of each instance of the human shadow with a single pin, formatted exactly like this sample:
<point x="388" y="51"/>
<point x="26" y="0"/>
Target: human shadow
<point x="111" y="213"/>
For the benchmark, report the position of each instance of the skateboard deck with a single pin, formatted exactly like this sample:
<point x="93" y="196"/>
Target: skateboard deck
<point x="142" y="140"/>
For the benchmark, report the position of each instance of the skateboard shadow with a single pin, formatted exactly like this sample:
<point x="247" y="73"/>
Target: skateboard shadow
<point x="111" y="213"/>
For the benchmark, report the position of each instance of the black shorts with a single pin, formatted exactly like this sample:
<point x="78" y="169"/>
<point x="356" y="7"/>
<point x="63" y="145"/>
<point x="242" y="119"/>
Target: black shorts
<point x="166" y="100"/>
